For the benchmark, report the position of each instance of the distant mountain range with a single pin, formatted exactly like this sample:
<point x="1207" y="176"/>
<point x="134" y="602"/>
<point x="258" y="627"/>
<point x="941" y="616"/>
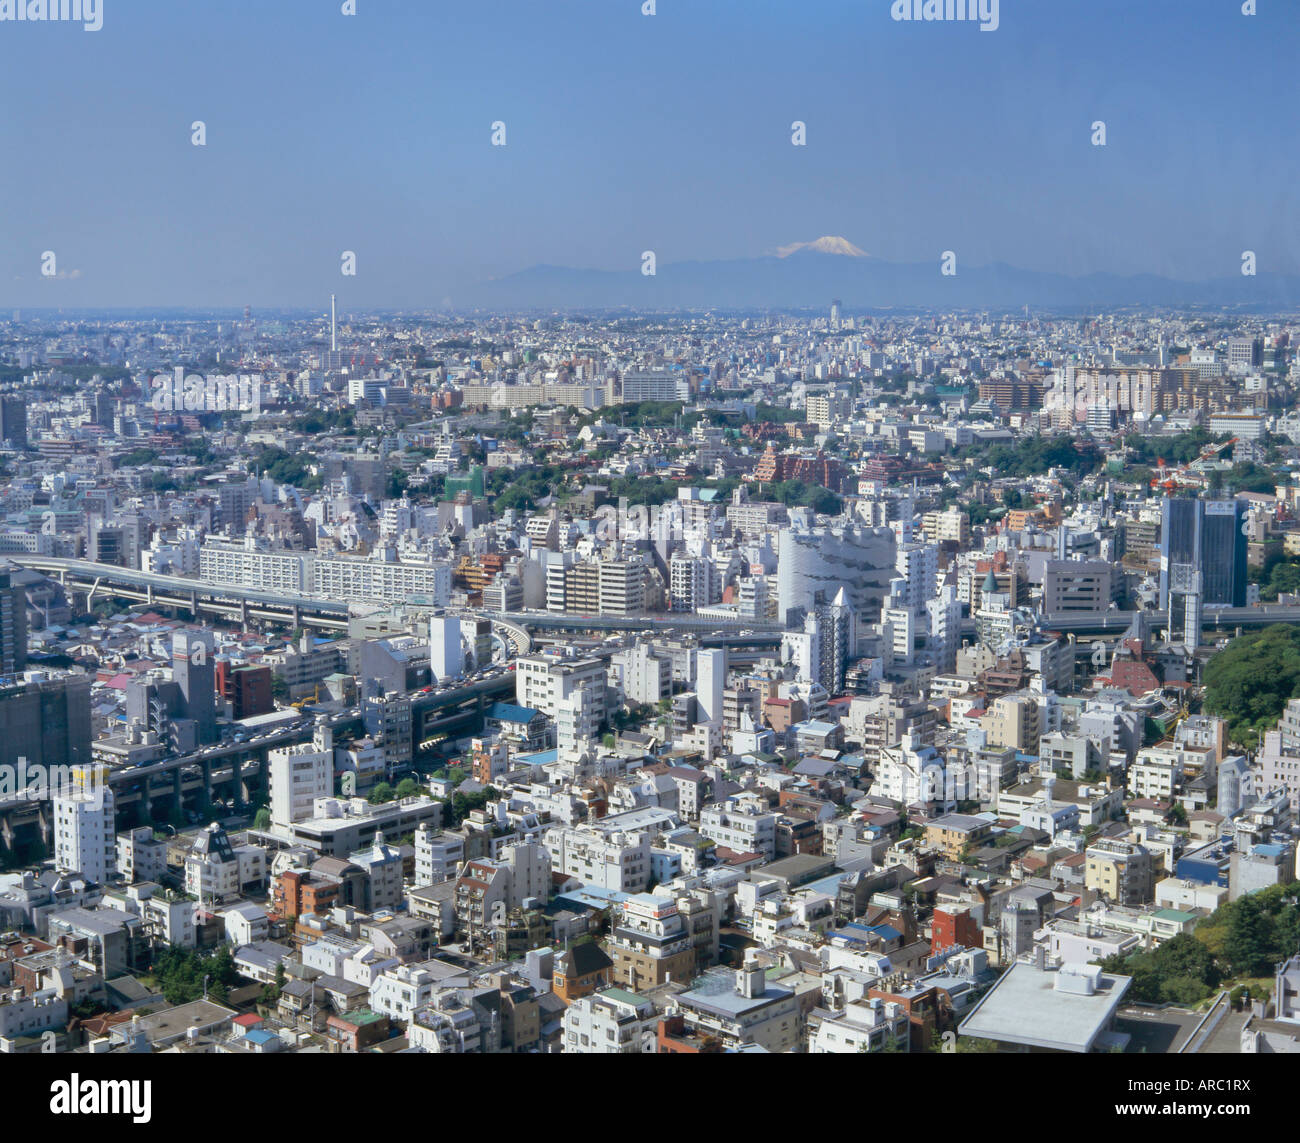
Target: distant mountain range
<point x="808" y="275"/>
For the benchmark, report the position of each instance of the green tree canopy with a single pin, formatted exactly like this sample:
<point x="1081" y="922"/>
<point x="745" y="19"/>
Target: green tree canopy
<point x="1250" y="681"/>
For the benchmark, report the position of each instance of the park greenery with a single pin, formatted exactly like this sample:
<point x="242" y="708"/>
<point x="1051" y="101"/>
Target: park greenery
<point x="180" y="973"/>
<point x="1034" y="456"/>
<point x="1242" y="940"/>
<point x="1175" y="450"/>
<point x="1249" y="682"/>
<point x="1278" y="574"/>
<point x="286" y="468"/>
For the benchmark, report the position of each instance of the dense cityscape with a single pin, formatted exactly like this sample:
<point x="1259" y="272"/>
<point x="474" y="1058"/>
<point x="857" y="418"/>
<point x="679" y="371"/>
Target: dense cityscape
<point x="661" y="683"/>
<point x="649" y="528"/>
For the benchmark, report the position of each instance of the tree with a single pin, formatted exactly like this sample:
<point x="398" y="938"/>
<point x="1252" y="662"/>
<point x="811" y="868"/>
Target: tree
<point x="1250" y="938"/>
<point x="1251" y="680"/>
<point x="407" y="788"/>
<point x="382" y="792"/>
<point x="262" y="819"/>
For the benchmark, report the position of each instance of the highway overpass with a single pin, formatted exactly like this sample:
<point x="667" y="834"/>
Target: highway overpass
<point x="238" y="604"/>
<point x="1223" y="620"/>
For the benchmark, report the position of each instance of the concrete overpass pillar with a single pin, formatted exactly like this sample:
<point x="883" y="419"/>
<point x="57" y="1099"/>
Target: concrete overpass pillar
<point x="237" y="778"/>
<point x="178" y="789"/>
<point x="148" y="594"/>
<point x="207" y="779"/>
<point x="243" y="613"/>
<point x="297" y="616"/>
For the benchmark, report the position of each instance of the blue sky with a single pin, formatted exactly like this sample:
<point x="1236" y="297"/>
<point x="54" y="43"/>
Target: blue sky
<point x="626" y="133"/>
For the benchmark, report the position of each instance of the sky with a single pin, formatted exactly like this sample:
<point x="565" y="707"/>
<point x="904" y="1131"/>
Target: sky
<point x="372" y="133"/>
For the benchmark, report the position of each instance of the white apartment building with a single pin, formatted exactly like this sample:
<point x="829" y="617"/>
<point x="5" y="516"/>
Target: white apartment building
<point x="690" y="583"/>
<point x="863" y="1025"/>
<point x="611" y="1022"/>
<point x="398" y="991"/>
<point x="918" y="566"/>
<point x="298" y="573"/>
<point x="739" y="830"/>
<point x="289" y="572"/>
<point x="910" y="772"/>
<point x="541" y="681"/>
<point x="438" y="855"/>
<point x="614" y="860"/>
<point x="85" y="840"/>
<point x="300" y="774"/>
<point x="642" y="676"/>
<point x="577" y="721"/>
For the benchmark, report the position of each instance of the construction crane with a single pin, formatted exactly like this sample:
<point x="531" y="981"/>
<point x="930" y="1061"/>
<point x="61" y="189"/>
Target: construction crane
<point x="1169" y="478"/>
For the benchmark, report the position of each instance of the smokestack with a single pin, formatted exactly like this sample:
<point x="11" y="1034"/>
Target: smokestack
<point x="334" y="344"/>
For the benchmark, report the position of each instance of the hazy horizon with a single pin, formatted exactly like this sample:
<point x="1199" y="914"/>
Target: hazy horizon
<point x="627" y="133"/>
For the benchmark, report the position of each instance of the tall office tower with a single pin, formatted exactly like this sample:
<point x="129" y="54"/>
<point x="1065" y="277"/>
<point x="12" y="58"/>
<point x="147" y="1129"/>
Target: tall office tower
<point x="1224" y="553"/>
<point x="859" y="560"/>
<point x="835" y="314"/>
<point x="1202" y="561"/>
<point x="13" y="625"/>
<point x="193" y="672"/>
<point x="446" y="653"/>
<point x="838" y="635"/>
<point x="710" y="682"/>
<point x="46" y="722"/>
<point x="13" y="422"/>
<point x="85" y="833"/>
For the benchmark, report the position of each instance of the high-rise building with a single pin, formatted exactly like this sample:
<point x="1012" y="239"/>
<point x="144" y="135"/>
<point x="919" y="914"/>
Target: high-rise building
<point x="446" y="651"/>
<point x="918" y="564"/>
<point x="690" y="580"/>
<point x="1202" y="561"/>
<point x="46" y="721"/>
<point x="193" y="671"/>
<point x="1224" y="553"/>
<point x="85" y="836"/>
<point x="710" y="682"/>
<point x="1245" y="351"/>
<point x="13" y="422"/>
<point x="13" y="625"/>
<point x="859" y="560"/>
